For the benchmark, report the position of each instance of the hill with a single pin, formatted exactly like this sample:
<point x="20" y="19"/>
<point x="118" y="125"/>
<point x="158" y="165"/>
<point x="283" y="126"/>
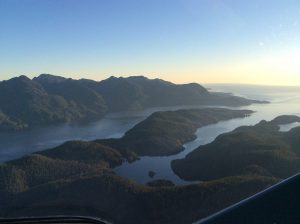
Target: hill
<point x="259" y="150"/>
<point x="164" y="133"/>
<point x="40" y="185"/>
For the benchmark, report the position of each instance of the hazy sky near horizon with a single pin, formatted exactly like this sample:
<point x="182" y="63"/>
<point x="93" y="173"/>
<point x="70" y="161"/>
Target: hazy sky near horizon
<point x="205" y="41"/>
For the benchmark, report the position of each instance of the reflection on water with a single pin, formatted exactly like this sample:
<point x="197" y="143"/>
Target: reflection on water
<point x="283" y="101"/>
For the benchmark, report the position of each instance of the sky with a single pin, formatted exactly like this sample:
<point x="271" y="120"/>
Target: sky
<point x="204" y="41"/>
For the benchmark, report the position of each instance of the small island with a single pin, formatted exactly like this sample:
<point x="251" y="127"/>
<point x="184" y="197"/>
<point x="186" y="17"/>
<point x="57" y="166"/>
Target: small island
<point x="151" y="174"/>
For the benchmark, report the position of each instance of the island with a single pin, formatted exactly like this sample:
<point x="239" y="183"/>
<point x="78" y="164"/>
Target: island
<point x="260" y="150"/>
<point x="165" y="133"/>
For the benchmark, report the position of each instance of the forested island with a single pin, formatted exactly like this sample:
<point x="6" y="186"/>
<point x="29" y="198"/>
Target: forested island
<point x="164" y="133"/>
<point x="260" y="150"/>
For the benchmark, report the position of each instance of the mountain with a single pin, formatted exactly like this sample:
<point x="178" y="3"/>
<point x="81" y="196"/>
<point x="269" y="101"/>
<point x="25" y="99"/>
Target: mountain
<point x="48" y="99"/>
<point x="27" y="103"/>
<point x="146" y="93"/>
<point x="90" y="103"/>
<point x="258" y="150"/>
<point x="139" y="92"/>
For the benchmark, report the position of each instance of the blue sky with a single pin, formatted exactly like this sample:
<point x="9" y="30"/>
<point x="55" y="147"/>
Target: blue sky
<point x="179" y="40"/>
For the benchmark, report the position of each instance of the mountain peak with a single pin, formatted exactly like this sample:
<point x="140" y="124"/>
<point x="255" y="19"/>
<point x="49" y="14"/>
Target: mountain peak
<point x="136" y="77"/>
<point x="140" y="77"/>
<point x="48" y="78"/>
<point x="21" y="78"/>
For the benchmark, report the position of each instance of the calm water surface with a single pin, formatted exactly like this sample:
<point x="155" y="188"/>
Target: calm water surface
<point x="283" y="101"/>
<point x="288" y="127"/>
<point x="15" y="145"/>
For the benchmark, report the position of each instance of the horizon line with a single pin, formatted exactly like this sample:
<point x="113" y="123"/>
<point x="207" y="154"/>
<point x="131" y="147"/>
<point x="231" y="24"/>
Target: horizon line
<point x="141" y="75"/>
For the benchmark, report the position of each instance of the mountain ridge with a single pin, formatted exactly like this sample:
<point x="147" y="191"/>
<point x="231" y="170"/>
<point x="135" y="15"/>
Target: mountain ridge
<point x="48" y="99"/>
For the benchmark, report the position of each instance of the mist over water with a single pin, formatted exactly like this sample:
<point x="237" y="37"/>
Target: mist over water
<point x="284" y="101"/>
